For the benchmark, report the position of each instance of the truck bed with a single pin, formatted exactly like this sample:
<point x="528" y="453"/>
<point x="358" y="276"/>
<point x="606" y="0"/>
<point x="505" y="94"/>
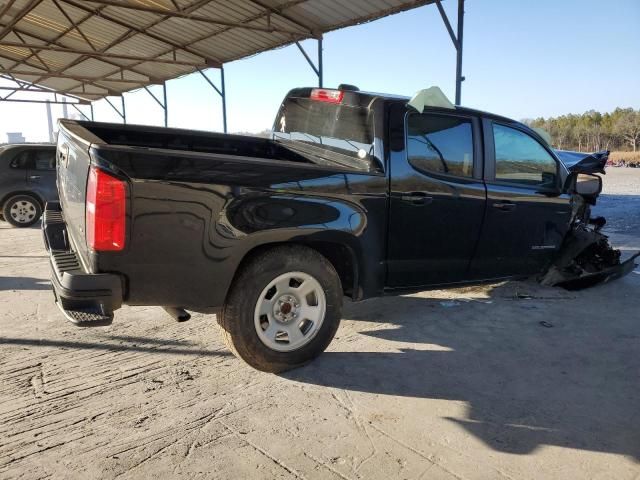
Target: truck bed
<point x="167" y="152"/>
<point x="182" y="186"/>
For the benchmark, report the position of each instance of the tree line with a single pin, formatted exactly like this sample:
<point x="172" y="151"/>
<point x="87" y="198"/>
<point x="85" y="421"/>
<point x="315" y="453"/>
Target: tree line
<point x="593" y="131"/>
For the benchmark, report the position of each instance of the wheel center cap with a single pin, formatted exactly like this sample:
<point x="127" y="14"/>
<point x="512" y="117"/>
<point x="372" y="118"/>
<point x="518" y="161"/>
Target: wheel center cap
<point x="286" y="308"/>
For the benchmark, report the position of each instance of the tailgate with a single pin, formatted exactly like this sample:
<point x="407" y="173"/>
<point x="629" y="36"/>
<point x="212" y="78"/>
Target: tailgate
<point x="72" y="172"/>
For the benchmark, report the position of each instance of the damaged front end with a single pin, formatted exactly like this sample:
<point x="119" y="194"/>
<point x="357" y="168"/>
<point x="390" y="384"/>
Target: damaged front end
<point x="586" y="258"/>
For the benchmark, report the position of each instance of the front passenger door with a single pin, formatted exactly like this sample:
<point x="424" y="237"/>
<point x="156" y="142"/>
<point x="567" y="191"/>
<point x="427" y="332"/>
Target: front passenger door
<point x="526" y="216"/>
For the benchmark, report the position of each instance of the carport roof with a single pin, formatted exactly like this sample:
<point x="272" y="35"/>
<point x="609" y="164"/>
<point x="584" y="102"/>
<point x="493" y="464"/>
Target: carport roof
<point x="92" y="49"/>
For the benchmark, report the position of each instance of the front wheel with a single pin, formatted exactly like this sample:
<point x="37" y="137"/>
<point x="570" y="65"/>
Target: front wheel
<point x="283" y="309"/>
<point x="22" y="210"/>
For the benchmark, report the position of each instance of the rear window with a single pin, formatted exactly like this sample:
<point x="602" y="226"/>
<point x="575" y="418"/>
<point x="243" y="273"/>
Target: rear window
<point x="440" y="144"/>
<point x="337" y="128"/>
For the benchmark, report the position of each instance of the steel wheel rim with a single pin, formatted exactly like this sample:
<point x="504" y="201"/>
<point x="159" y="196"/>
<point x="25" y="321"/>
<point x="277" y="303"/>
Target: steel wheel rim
<point x="290" y="311"/>
<point x="23" y="211"/>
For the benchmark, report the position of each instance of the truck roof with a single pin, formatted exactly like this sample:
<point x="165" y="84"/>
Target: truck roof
<point x="402" y="98"/>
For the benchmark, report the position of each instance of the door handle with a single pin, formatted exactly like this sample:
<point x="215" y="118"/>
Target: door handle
<point x="34" y="177"/>
<point x="505" y="206"/>
<point x="416" y="198"/>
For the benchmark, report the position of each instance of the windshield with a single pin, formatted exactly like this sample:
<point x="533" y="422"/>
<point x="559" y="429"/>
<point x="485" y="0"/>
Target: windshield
<point x="342" y="129"/>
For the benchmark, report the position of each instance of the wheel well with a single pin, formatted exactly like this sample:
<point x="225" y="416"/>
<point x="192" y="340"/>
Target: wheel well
<point x="340" y="256"/>
<point x="27" y="193"/>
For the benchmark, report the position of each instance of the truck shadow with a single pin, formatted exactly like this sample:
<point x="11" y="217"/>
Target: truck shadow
<point x="24" y="283"/>
<point x="531" y="375"/>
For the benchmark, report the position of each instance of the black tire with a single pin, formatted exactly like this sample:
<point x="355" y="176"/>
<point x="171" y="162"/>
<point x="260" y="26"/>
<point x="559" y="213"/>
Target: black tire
<point x="31" y="206"/>
<point x="237" y="317"/>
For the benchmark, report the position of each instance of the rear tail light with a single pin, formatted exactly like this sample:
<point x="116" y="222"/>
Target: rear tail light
<point x="106" y="210"/>
<point x="324" y="95"/>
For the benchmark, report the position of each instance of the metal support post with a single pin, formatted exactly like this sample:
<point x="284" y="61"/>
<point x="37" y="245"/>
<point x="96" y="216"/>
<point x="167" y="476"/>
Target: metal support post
<point x="163" y="103"/>
<point x="166" y="105"/>
<point x="122" y="113"/>
<point x="320" y="66"/>
<point x="80" y="111"/>
<point x="459" y="77"/>
<point x="318" y="70"/>
<point x="222" y="92"/>
<point x="457" y="43"/>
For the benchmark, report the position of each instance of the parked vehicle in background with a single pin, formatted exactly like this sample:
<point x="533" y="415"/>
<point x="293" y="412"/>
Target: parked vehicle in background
<point x="356" y="194"/>
<point x="27" y="182"/>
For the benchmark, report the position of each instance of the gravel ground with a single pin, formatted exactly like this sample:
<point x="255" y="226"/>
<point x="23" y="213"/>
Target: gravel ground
<point x="504" y="381"/>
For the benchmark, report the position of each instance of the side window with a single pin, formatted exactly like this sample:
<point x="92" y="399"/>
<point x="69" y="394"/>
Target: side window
<point x="45" y="159"/>
<point x="521" y="159"/>
<point x="22" y="160"/>
<point x="440" y="144"/>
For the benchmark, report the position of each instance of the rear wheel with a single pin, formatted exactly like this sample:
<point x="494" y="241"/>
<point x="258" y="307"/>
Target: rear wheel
<point x="283" y="309"/>
<point x="22" y="210"/>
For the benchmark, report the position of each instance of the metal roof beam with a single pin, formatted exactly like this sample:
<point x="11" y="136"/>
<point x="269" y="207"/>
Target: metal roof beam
<point x="80" y="102"/>
<point x="213" y="62"/>
<point x="6" y="8"/>
<point x="209" y="36"/>
<point x="51" y="41"/>
<point x="120" y="69"/>
<point x="280" y="13"/>
<point x="100" y="55"/>
<point x="31" y="87"/>
<point x="25" y="10"/>
<point x="196" y="18"/>
<point x="74" y="24"/>
<point x="27" y="89"/>
<point x="72" y="77"/>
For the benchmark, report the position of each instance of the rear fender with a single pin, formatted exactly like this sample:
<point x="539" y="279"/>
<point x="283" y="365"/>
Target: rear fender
<point x="332" y="226"/>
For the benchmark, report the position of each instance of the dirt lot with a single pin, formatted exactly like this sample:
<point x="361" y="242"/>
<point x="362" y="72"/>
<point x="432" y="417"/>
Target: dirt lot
<point x="512" y="380"/>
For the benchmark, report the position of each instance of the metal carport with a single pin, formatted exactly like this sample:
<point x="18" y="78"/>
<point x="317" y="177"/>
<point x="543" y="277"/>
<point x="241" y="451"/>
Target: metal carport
<point x="90" y="50"/>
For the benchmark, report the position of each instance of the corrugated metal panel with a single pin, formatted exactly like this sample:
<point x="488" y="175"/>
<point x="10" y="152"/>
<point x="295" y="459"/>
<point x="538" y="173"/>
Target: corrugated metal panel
<point x="95" y="48"/>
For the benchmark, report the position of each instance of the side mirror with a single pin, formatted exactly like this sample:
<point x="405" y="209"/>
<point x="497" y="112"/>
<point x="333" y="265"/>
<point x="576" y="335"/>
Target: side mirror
<point x="588" y="185"/>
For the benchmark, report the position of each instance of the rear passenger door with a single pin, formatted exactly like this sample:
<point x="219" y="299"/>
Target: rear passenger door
<point x="437" y="197"/>
<point x="527" y="216"/>
<point x="42" y="173"/>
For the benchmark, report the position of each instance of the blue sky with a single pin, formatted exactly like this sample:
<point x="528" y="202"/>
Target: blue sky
<point x="522" y="59"/>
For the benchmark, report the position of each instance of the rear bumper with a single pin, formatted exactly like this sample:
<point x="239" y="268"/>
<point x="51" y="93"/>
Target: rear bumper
<point x="86" y="299"/>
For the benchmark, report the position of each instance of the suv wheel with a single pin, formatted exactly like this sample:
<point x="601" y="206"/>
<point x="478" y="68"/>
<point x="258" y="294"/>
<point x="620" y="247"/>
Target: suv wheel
<point x="283" y="309"/>
<point x="22" y="210"/>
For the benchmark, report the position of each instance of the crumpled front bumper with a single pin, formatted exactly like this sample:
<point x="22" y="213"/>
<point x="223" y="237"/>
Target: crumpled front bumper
<point x="587" y="259"/>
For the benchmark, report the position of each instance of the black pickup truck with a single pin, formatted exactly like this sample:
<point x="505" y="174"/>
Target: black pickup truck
<point x="355" y="194"/>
